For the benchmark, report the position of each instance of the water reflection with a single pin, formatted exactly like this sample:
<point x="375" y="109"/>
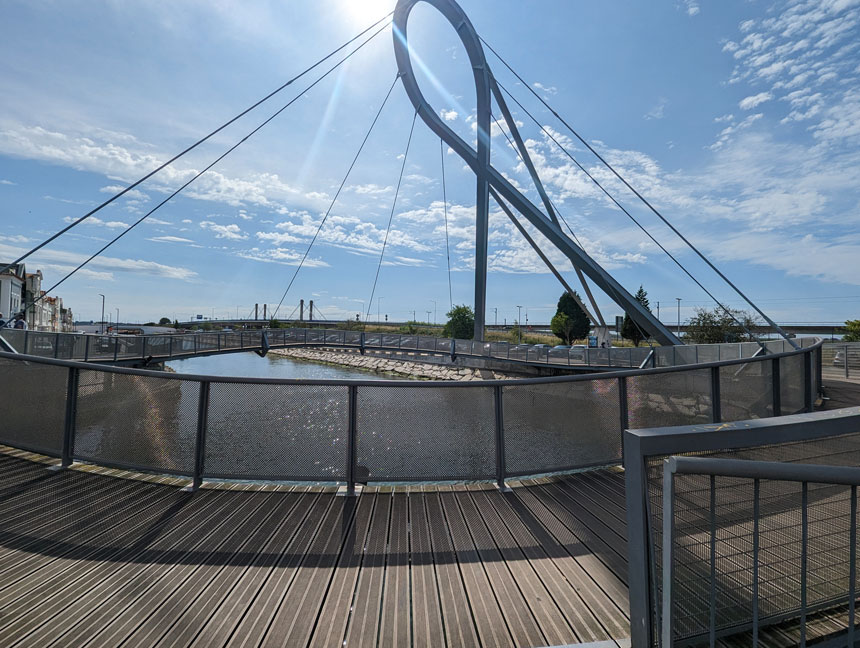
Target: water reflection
<point x="250" y="365"/>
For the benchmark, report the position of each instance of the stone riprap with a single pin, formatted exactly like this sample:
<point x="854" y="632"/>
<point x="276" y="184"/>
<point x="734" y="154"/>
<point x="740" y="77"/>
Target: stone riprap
<point x="383" y="364"/>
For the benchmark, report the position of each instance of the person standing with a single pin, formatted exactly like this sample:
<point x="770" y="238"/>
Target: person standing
<point x="20" y="322"/>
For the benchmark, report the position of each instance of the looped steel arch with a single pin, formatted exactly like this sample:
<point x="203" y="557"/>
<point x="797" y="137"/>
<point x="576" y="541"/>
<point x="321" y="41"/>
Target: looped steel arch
<point x="489" y="179"/>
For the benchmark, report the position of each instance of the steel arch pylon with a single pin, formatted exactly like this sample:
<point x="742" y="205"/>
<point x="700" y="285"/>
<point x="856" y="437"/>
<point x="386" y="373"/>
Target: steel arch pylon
<point x="487" y="176"/>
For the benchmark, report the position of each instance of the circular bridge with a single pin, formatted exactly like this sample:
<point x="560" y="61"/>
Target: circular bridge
<point x="353" y="432"/>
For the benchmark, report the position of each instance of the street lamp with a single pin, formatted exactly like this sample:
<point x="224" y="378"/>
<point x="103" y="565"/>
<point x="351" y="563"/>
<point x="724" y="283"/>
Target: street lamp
<point x="519" y="324"/>
<point x="679" y="316"/>
<point x="117" y="320"/>
<point x="434" y="312"/>
<point x="428" y="315"/>
<point x="102" y="327"/>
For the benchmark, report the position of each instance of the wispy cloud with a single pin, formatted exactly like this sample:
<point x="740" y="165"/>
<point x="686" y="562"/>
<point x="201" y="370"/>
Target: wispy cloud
<point x="231" y="232"/>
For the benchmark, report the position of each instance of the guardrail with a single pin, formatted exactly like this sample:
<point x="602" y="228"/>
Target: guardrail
<point x="841" y="360"/>
<point x="158" y="348"/>
<point x="207" y="427"/>
<point x="735" y="593"/>
<point x="744" y="534"/>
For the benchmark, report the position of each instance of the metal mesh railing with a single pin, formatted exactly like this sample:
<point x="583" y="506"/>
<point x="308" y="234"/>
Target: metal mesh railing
<point x="380" y="431"/>
<point x="33" y="405"/>
<point x="720" y="581"/>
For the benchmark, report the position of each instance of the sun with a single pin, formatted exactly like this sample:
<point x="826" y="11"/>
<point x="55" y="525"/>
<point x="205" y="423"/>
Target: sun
<point x="366" y="10"/>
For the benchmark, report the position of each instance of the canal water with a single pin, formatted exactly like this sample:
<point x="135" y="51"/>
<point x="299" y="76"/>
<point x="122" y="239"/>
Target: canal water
<point x="250" y="365"/>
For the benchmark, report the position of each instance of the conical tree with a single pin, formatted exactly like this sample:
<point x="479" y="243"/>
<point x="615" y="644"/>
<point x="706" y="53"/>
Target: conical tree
<point x="629" y="329"/>
<point x="575" y="324"/>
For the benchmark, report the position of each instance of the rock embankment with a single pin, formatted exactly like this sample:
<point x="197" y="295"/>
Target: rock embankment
<point x="382" y="364"/>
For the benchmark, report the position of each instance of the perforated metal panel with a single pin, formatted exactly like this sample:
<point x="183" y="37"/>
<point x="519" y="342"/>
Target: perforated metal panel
<point x="779" y="578"/>
<point x="709" y="353"/>
<point x="792" y="396"/>
<point x="14" y="337"/>
<point x="289" y="432"/>
<point x="421" y="434"/>
<point x="677" y="398"/>
<point x="746" y="391"/>
<point x="561" y="426"/>
<point x="136" y="421"/>
<point x="33" y="405"/>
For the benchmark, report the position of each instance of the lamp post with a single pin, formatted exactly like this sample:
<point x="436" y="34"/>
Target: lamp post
<point x="428" y="315"/>
<point x="520" y="324"/>
<point x="117" y="320"/>
<point x="102" y="327"/>
<point x="679" y="315"/>
<point x="434" y="312"/>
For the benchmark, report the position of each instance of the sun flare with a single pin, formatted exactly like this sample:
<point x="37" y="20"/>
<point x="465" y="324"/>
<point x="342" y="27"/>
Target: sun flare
<point x="366" y="10"/>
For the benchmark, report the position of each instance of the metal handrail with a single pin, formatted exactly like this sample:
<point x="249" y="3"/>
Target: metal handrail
<point x="756" y="471"/>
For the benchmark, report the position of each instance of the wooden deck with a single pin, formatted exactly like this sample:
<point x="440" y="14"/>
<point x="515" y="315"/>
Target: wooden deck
<point x="93" y="560"/>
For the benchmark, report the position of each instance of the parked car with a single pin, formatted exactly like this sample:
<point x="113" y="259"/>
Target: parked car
<point x="540" y="346"/>
<point x="561" y="346"/>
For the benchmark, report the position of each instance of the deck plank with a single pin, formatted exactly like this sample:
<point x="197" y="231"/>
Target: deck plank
<point x="395" y="627"/>
<point x="364" y="622"/>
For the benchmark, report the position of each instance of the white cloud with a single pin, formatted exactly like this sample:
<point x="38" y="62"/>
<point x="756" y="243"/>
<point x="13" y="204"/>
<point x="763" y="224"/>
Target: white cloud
<point x="170" y="239"/>
<point x="448" y="115"/>
<point x="230" y="232"/>
<point x="658" y="110"/>
<point x="748" y="103"/>
<point x="95" y="220"/>
<point x="549" y="90"/>
<point x="62" y="262"/>
<point x="3" y="181"/>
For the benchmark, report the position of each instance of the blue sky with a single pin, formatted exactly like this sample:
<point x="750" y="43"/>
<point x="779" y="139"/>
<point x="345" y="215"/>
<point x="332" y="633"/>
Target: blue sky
<point x="738" y="119"/>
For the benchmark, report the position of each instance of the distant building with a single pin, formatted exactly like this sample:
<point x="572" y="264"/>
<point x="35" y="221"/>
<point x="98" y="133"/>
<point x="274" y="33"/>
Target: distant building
<point x="38" y="309"/>
<point x="22" y="291"/>
<point x="12" y="290"/>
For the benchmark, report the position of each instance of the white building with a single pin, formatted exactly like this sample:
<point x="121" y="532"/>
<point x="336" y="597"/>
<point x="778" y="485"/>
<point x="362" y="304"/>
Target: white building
<point x="12" y="284"/>
<point x="40" y="315"/>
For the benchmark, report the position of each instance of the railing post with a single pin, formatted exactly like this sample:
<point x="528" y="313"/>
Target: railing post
<point x="86" y="348"/>
<point x="635" y="489"/>
<point x="27" y="349"/>
<point x="808" y="397"/>
<point x="777" y="389"/>
<point x="196" y="340"/>
<point x="668" y="558"/>
<point x="241" y="339"/>
<point x="218" y="335"/>
<point x="115" y="348"/>
<point x="351" y="441"/>
<point x="623" y="410"/>
<point x="716" y="406"/>
<point x="846" y="359"/>
<point x="500" y="439"/>
<point x="200" y="446"/>
<point x="143" y="348"/>
<point x="170" y="347"/>
<point x="71" y="414"/>
<point x="56" y="345"/>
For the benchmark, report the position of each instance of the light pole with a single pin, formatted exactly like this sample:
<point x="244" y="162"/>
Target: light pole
<point x="434" y="312"/>
<point x="378" y="302"/>
<point x="117" y="319"/>
<point x="496" y="317"/>
<point x="102" y="327"/>
<point x="519" y="324"/>
<point x="428" y="315"/>
<point x="679" y="316"/>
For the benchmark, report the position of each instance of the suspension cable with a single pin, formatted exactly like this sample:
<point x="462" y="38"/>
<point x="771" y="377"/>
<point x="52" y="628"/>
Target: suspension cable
<point x="391" y="215"/>
<point x="213" y="163"/>
<point x="643" y="199"/>
<point x="190" y="148"/>
<point x="339" y="189"/>
<point x="629" y="215"/>
<point x="445" y="207"/>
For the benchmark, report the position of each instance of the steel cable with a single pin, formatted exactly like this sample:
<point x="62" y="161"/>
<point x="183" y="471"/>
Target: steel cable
<point x="339" y="189"/>
<point x="391" y="216"/>
<point x="192" y="147"/>
<point x="213" y="163"/>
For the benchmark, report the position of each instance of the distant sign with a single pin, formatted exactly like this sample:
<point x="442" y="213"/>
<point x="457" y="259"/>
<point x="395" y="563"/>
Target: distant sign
<point x="619" y="323"/>
<point x="199" y="317"/>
